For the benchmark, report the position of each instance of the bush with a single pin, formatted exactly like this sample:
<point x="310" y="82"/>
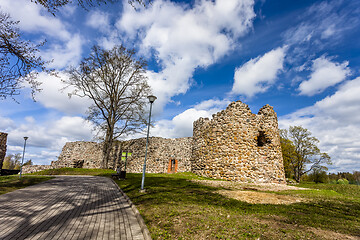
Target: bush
<point x="342" y="181"/>
<point x="333" y="182"/>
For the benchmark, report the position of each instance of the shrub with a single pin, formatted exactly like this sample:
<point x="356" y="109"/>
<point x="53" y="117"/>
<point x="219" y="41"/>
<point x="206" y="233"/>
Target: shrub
<point x="333" y="181"/>
<point x="343" y="181"/>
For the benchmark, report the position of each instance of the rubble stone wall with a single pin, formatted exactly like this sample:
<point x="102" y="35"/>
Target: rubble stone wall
<point x="79" y="154"/>
<point x="35" y="168"/>
<point x="160" y="152"/>
<point x="238" y="145"/>
<point x="3" y="139"/>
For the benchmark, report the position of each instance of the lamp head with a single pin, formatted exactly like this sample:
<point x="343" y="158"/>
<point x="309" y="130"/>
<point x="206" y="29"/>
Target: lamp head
<point x="26" y="138"/>
<point x="152" y="98"/>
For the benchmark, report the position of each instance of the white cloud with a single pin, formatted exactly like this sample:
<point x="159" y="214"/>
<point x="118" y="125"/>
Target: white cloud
<point x="258" y="74"/>
<point x="34" y="18"/>
<point x="182" y="124"/>
<point x="64" y="54"/>
<point x="66" y="48"/>
<point x="6" y="123"/>
<point x="335" y="122"/>
<point x="52" y="97"/>
<point x="98" y="20"/>
<point x="184" y="38"/>
<point x="325" y="73"/>
<point x="47" y="137"/>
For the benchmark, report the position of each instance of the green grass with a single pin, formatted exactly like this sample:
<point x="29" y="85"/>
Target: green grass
<point x="348" y="190"/>
<point x="75" y="171"/>
<point x="175" y="208"/>
<point x="13" y="182"/>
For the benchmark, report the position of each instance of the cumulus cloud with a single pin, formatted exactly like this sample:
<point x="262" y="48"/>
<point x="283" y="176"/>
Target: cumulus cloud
<point x="6" y="123"/>
<point x="184" y="38"/>
<point x="335" y="122"/>
<point x="34" y="19"/>
<point x="47" y="137"/>
<point x="52" y="95"/>
<point x="64" y="54"/>
<point x="325" y="73"/>
<point x="182" y="124"/>
<point x="98" y="20"/>
<point x="257" y="75"/>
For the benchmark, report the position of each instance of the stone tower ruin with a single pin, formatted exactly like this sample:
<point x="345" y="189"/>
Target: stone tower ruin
<point x="238" y="145"/>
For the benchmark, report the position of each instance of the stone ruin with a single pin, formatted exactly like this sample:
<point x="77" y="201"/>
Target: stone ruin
<point x="238" y="145"/>
<point x="3" y="139"/>
<point x="234" y="145"/>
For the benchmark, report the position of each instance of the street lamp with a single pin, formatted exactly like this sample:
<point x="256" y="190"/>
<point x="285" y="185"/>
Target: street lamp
<point x="22" y="161"/>
<point x="151" y="100"/>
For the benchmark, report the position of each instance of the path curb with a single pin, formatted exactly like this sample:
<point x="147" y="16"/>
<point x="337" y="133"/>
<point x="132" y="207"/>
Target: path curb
<point x="144" y="229"/>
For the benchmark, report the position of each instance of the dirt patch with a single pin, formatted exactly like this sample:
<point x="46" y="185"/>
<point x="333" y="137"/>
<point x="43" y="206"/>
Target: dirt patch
<point x="248" y="186"/>
<point x="254" y="193"/>
<point x="260" y="197"/>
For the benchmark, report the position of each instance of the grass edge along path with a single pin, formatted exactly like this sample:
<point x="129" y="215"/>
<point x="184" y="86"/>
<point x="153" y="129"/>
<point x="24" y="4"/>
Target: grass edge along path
<point x="13" y="182"/>
<point x="175" y="208"/>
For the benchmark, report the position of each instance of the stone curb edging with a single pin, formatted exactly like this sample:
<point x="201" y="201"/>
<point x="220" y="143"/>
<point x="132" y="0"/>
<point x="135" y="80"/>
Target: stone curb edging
<point x="139" y="218"/>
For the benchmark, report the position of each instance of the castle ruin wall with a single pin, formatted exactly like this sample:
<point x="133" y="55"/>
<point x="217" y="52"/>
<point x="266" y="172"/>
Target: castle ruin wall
<point x="161" y="152"/>
<point x="238" y="145"/>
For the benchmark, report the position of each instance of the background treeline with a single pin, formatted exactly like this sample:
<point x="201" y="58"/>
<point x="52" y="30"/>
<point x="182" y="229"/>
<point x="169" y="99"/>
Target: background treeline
<point x="13" y="162"/>
<point x="334" y="178"/>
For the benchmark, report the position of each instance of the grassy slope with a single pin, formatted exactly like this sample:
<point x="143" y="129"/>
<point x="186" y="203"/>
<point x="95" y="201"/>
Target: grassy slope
<point x="174" y="208"/>
<point x="13" y="182"/>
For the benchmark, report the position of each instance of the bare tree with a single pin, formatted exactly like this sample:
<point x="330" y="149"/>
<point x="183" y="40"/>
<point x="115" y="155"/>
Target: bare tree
<point x="18" y="60"/>
<point x="115" y="81"/>
<point x="299" y="149"/>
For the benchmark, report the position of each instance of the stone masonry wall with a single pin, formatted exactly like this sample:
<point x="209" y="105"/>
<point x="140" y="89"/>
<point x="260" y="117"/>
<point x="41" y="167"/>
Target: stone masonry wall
<point x="79" y="154"/>
<point x="160" y="152"/>
<point x="35" y="168"/>
<point x="3" y="139"/>
<point x="238" y="145"/>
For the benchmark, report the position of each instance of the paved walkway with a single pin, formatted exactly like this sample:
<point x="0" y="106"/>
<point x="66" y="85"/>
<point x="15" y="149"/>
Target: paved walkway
<point x="68" y="207"/>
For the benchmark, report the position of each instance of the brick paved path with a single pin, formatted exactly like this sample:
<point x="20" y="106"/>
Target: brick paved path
<point x="68" y="207"/>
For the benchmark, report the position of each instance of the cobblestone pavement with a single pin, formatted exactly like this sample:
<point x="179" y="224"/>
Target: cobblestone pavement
<point x="68" y="207"/>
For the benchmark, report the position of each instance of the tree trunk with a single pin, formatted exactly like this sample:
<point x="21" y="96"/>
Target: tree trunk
<point x="108" y="142"/>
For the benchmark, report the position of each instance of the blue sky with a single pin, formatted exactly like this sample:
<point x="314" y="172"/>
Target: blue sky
<point x="301" y="57"/>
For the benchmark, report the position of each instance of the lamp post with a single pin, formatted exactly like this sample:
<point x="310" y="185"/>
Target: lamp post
<point x="151" y="100"/>
<point x="22" y="161"/>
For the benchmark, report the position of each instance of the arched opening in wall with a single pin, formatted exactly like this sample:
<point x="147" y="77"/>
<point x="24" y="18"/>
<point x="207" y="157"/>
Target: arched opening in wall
<point x="262" y="139"/>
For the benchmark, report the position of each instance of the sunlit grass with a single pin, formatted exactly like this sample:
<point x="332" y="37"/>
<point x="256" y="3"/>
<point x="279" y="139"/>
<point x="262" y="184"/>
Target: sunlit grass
<point x="175" y="208"/>
<point x="13" y="182"/>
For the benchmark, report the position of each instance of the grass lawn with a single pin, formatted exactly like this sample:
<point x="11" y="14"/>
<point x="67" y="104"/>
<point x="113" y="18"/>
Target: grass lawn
<point x="175" y="208"/>
<point x="13" y="182"/>
<point x="75" y="171"/>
